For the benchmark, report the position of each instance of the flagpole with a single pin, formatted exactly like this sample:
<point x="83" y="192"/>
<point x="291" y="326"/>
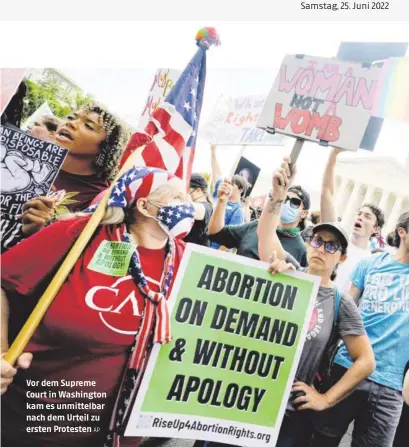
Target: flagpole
<point x="27" y="331"/>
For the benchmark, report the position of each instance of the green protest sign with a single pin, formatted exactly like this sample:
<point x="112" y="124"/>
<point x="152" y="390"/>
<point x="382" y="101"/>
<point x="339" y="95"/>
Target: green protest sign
<point x="112" y="258"/>
<point x="237" y="334"/>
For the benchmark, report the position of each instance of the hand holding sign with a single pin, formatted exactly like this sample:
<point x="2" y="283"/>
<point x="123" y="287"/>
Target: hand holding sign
<point x="37" y="213"/>
<point x="282" y="179"/>
<point x="225" y="191"/>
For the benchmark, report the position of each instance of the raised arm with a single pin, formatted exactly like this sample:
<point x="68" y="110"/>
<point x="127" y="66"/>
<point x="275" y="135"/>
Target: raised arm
<point x="217" y="221"/>
<point x="216" y="171"/>
<point x="328" y="212"/>
<point x="268" y="241"/>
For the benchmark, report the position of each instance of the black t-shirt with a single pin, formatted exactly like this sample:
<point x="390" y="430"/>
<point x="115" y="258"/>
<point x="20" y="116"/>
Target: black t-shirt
<point x="244" y="237"/>
<point x="198" y="234"/>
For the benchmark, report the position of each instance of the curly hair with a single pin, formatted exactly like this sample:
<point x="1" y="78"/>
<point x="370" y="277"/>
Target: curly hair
<point x="380" y="217"/>
<point x="113" y="146"/>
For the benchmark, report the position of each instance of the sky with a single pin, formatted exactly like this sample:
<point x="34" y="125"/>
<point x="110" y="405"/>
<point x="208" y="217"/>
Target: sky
<point x="246" y="63"/>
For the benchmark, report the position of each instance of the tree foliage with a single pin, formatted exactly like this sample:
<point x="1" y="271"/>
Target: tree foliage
<point x="61" y="102"/>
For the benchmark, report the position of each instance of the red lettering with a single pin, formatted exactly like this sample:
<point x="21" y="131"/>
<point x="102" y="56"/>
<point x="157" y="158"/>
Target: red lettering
<point x="332" y="132"/>
<point x="347" y="88"/>
<point x="304" y="82"/>
<point x="285" y="84"/>
<point x="279" y="122"/>
<point x="297" y="126"/>
<point x="230" y="115"/>
<point x="319" y="123"/>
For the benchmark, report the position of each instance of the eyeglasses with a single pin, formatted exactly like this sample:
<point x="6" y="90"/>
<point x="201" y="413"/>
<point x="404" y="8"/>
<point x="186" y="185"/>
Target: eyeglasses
<point x="329" y="246"/>
<point x="295" y="202"/>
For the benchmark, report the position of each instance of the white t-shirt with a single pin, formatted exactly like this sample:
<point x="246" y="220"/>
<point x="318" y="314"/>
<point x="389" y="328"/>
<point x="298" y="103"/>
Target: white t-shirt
<point x="354" y="256"/>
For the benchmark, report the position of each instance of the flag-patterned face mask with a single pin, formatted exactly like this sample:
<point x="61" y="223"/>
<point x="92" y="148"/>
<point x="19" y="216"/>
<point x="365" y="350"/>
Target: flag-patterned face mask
<point x="176" y="219"/>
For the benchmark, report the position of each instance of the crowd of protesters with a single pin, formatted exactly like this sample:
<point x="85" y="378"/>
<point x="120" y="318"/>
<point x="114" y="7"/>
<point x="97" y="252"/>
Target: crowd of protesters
<point x="354" y="367"/>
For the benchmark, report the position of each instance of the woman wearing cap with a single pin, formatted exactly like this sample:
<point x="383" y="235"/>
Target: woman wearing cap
<point x="203" y="210"/>
<point x="334" y="317"/>
<point x="106" y="316"/>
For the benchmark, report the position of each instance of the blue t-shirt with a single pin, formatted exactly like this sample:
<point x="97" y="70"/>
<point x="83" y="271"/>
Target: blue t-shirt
<point x="384" y="308"/>
<point x="234" y="213"/>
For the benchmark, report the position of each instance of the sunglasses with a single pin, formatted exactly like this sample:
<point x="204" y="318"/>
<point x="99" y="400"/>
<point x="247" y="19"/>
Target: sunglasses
<point x="295" y="202"/>
<point x="330" y="247"/>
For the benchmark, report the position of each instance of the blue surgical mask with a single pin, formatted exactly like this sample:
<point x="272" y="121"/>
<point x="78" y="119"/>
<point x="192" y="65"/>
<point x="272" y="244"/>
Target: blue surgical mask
<point x="288" y="213"/>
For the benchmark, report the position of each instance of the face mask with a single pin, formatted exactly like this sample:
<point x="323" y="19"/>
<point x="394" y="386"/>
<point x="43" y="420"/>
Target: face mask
<point x="176" y="219"/>
<point x="288" y="214"/>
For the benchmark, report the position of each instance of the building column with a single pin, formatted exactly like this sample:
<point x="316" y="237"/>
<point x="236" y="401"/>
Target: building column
<point x="369" y="194"/>
<point x="352" y="206"/>
<point x="394" y="215"/>
<point x="384" y="200"/>
<point x="340" y="195"/>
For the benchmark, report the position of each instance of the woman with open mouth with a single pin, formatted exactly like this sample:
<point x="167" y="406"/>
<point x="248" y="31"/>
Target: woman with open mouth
<point x="95" y="139"/>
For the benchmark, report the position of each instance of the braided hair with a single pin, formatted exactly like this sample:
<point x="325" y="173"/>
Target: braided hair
<point x="111" y="149"/>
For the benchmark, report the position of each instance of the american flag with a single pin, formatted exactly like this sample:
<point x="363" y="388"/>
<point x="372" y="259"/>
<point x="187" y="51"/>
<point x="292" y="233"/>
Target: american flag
<point x="170" y="136"/>
<point x="179" y="221"/>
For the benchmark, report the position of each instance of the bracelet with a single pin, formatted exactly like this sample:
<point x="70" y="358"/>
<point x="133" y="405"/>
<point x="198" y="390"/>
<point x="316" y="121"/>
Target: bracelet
<point x="270" y="197"/>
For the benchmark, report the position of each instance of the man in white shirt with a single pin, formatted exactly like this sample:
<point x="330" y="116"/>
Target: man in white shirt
<point x="369" y="221"/>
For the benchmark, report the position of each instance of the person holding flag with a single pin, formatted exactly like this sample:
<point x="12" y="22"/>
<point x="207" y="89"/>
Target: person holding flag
<point x="86" y="347"/>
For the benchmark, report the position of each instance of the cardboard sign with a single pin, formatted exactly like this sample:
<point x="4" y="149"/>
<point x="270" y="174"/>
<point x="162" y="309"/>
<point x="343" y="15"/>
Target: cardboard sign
<point x="28" y="168"/>
<point x="164" y="80"/>
<point x="238" y="333"/>
<point x="322" y="100"/>
<point x="10" y="79"/>
<point x="249" y="171"/>
<point x="234" y="120"/>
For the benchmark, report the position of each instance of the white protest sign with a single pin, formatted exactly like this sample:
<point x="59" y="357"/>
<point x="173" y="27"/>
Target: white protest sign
<point x="323" y="100"/>
<point x="234" y="120"/>
<point x="227" y="374"/>
<point x="164" y="80"/>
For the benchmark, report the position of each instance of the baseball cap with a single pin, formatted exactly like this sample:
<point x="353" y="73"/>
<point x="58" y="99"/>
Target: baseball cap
<point x="302" y="194"/>
<point x="337" y="229"/>
<point x="198" y="181"/>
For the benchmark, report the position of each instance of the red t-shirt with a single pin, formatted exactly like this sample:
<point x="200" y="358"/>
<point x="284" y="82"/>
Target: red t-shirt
<point x="85" y="334"/>
<point x="81" y="190"/>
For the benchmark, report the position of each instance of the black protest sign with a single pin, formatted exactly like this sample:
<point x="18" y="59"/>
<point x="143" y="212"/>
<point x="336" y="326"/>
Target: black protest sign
<point x="28" y="168"/>
<point x="249" y="171"/>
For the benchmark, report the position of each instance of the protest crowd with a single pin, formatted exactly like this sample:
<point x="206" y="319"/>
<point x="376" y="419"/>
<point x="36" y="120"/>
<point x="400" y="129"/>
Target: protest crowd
<point x="107" y="317"/>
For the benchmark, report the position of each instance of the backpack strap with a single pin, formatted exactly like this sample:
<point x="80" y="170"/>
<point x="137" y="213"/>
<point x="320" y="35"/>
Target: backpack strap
<point x="338" y="298"/>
